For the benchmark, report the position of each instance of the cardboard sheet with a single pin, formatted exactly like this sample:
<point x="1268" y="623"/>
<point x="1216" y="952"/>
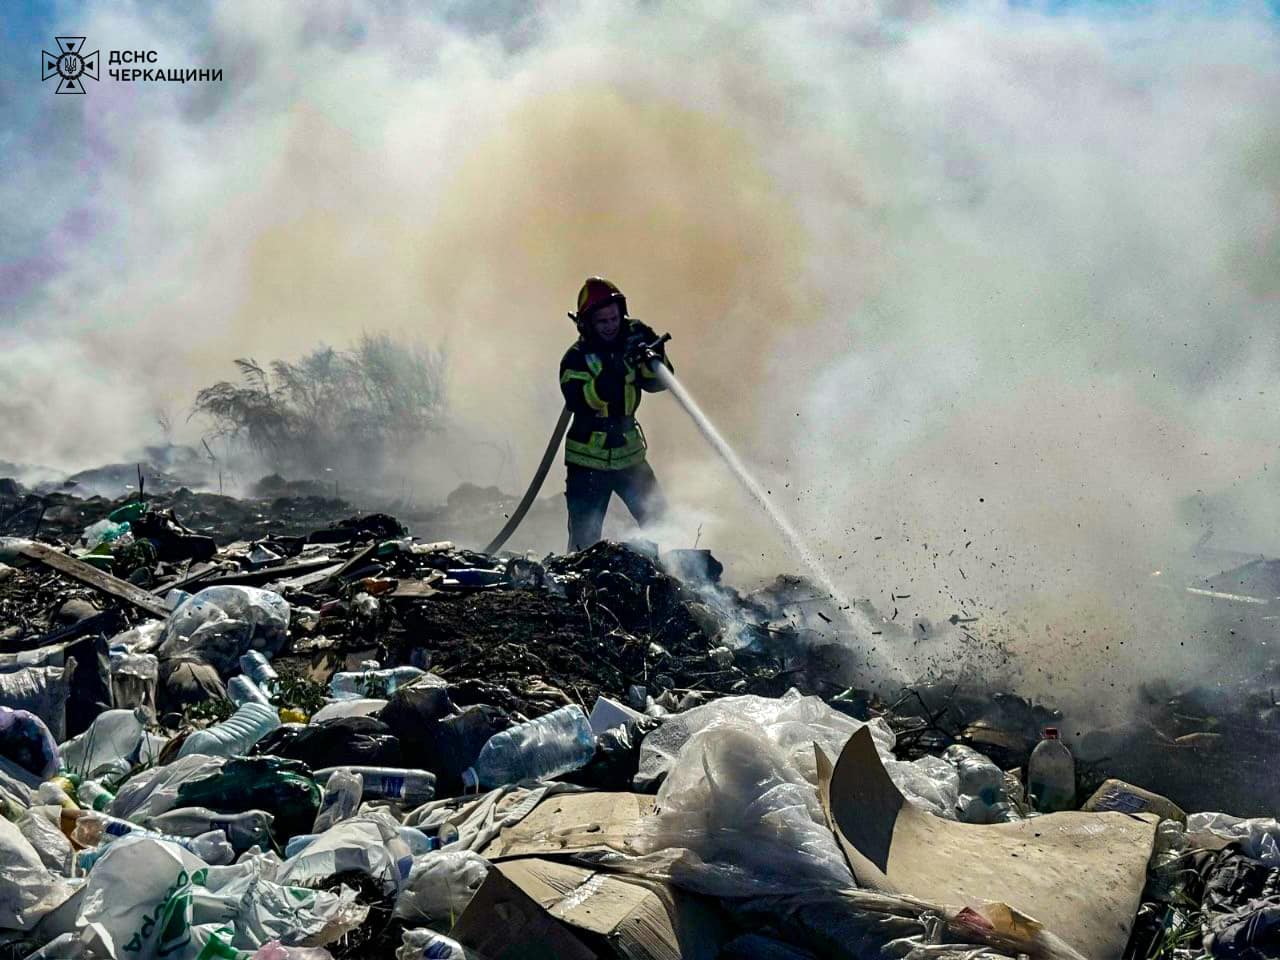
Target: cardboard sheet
<point x="573" y="823"/>
<point x="640" y="920"/>
<point x="1079" y="874"/>
<point x="503" y="923"/>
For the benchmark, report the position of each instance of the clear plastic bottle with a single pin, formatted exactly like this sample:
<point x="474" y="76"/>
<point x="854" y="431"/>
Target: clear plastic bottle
<point x="407" y="787"/>
<point x="235" y="736"/>
<point x="93" y="795"/>
<point x="258" y="669"/>
<point x="1051" y="774"/>
<point x="243" y="830"/>
<point x="539" y="749"/>
<point x="355" y="684"/>
<point x="341" y="799"/>
<point x="242" y="690"/>
<point x="92" y="827"/>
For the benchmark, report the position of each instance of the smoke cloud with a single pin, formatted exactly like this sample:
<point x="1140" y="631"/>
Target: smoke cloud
<point x="983" y="293"/>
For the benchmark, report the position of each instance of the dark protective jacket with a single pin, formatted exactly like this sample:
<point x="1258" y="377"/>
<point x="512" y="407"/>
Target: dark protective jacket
<point x="602" y="389"/>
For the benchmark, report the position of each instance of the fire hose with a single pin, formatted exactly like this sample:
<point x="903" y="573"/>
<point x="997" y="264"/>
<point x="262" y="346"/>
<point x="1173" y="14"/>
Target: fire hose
<point x="640" y="354"/>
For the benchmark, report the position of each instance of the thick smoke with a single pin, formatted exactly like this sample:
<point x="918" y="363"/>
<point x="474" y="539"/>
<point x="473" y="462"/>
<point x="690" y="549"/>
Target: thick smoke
<point x="985" y="294"/>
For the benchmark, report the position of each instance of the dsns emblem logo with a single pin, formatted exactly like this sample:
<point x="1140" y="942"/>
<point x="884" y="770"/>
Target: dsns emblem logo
<point x="69" y="64"/>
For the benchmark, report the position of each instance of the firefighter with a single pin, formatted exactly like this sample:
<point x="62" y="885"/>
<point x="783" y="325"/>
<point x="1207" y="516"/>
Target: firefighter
<point x="602" y="377"/>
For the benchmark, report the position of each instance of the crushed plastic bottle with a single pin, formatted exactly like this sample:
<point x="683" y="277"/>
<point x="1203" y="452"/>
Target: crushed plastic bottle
<point x="539" y="749"/>
<point x="341" y="798"/>
<point x="407" y="787"/>
<point x="235" y="736"/>
<point x="1051" y="774"/>
<point x="355" y="684"/>
<point x="242" y="690"/>
<point x="258" y="669"/>
<point x="243" y="830"/>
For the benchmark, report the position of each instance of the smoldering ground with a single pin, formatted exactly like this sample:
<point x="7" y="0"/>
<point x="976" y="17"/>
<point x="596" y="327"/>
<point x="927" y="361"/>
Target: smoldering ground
<point x="982" y="293"/>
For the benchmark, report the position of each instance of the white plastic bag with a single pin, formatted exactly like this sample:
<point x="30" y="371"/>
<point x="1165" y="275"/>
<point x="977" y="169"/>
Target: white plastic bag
<point x="369" y="843"/>
<point x="155" y="791"/>
<point x="262" y="910"/>
<point x="42" y="691"/>
<point x="137" y="902"/>
<point x="791" y="722"/>
<point x="741" y="819"/>
<point x="1258" y="837"/>
<point x="930" y="783"/>
<point x="219" y="624"/>
<point x="440" y="886"/>
<point x="113" y="735"/>
<point x="40" y="827"/>
<point x="28" y="890"/>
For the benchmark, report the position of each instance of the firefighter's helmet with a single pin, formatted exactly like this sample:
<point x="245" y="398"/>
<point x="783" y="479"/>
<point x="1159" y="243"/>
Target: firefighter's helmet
<point x="596" y="292"/>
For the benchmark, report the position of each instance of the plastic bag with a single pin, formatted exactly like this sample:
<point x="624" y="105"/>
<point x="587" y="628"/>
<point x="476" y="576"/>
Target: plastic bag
<point x="144" y="638"/>
<point x="345" y="741"/>
<point x="28" y="889"/>
<point x="219" y="624"/>
<point x="137" y="901"/>
<point x="369" y="843"/>
<point x="42" y="691"/>
<point x="134" y="680"/>
<point x="27" y="742"/>
<point x="439" y="887"/>
<point x="791" y="722"/>
<point x="1258" y="837"/>
<point x="113" y="735"/>
<point x="41" y="828"/>
<point x="930" y="783"/>
<point x="155" y="791"/>
<point x="275" y="950"/>
<point x="283" y="788"/>
<point x="741" y="819"/>
<point x="261" y="910"/>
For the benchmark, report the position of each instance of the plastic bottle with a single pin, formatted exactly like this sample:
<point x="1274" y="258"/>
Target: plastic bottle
<point x="539" y="749"/>
<point x="133" y="510"/>
<point x="235" y="736"/>
<point x="981" y="783"/>
<point x="1051" y="774"/>
<point x="211" y="847"/>
<point x="51" y="792"/>
<point x="92" y="826"/>
<point x="407" y="787"/>
<point x="355" y="684"/>
<point x="425" y="944"/>
<point x="242" y="690"/>
<point x="258" y="669"/>
<point x="243" y="830"/>
<point x="341" y="799"/>
<point x="93" y="795"/>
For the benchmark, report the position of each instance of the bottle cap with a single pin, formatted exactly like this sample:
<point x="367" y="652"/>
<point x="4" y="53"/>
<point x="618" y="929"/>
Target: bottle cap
<point x="1051" y="733"/>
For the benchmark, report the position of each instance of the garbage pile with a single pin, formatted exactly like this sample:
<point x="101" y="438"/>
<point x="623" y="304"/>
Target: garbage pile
<point x="352" y="742"/>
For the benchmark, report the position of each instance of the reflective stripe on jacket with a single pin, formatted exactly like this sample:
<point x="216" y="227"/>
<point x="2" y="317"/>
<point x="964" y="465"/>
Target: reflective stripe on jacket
<point x="603" y="390"/>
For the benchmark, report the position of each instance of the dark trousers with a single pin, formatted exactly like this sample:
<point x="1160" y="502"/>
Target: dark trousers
<point x="588" y="491"/>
